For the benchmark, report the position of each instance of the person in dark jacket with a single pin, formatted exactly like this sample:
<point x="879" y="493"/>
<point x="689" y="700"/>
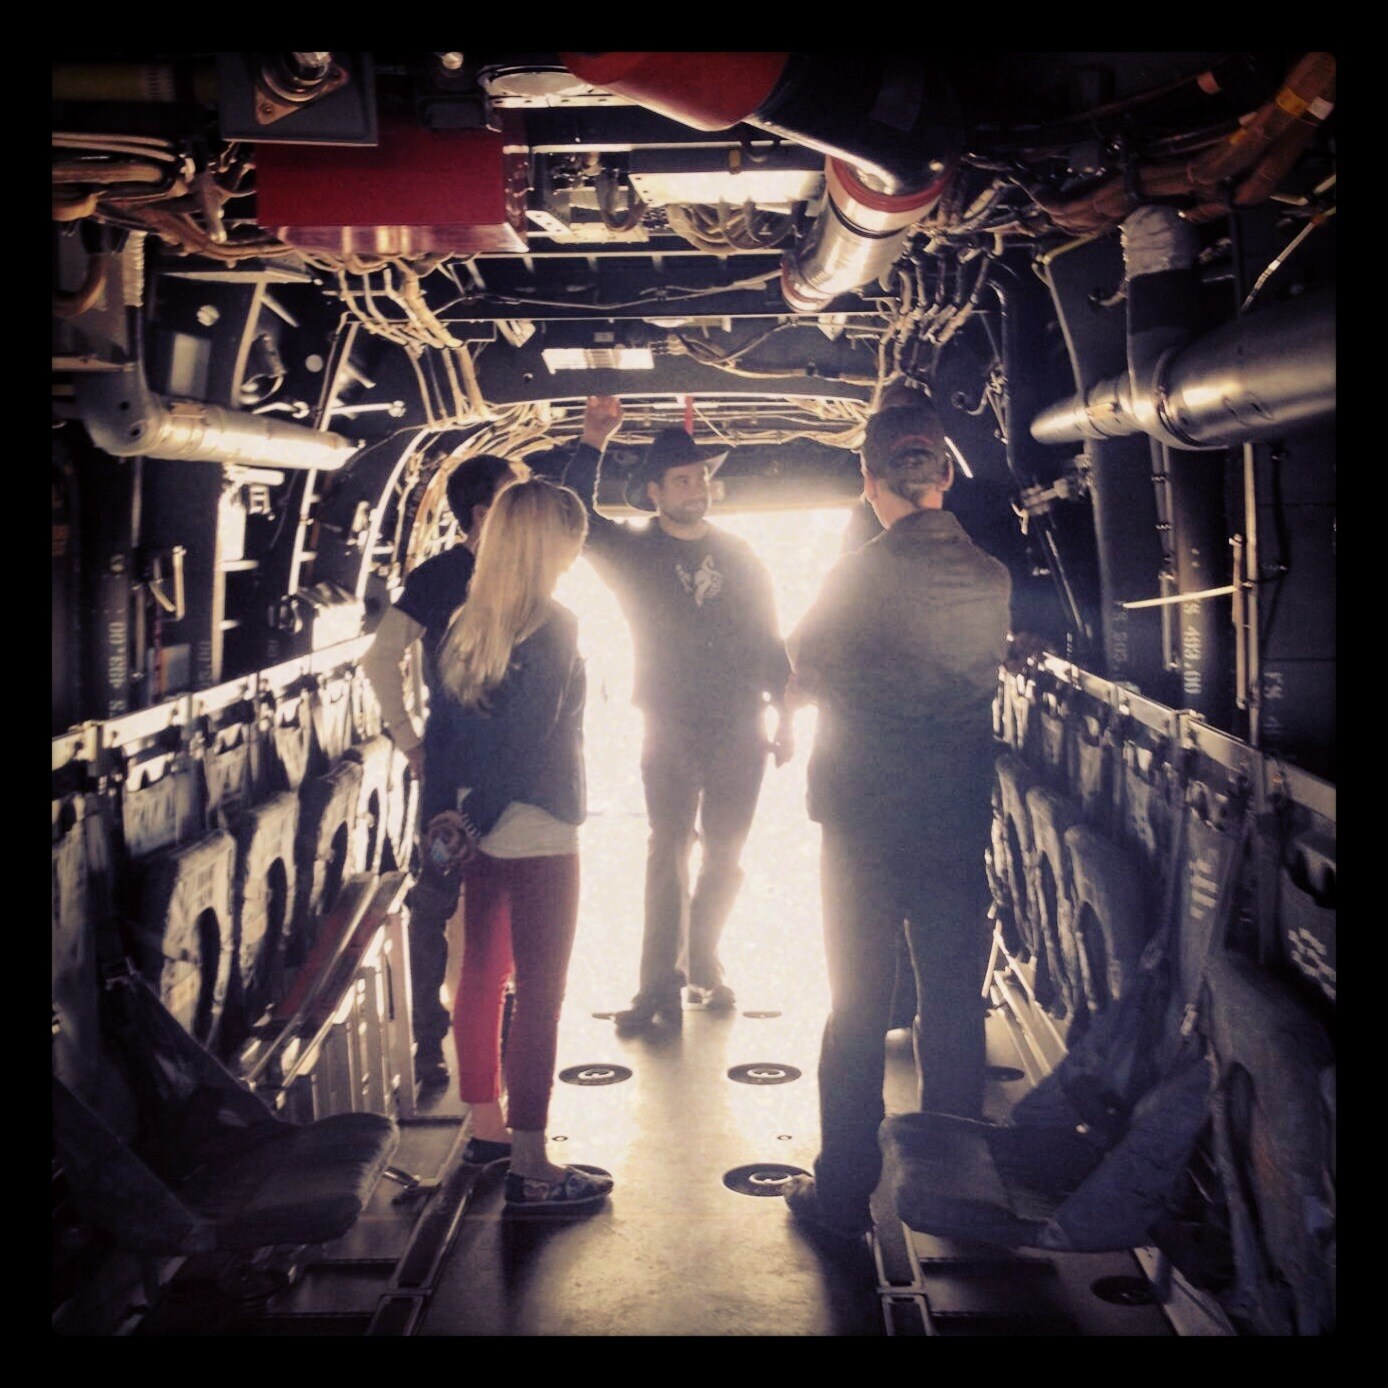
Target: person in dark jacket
<point x="709" y="660"/>
<point x="504" y="795"/>
<point x="416" y="622"/>
<point x="901" y="652"/>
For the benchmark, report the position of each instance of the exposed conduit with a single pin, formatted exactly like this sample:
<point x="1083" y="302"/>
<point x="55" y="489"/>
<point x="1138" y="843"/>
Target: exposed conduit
<point x="126" y="419"/>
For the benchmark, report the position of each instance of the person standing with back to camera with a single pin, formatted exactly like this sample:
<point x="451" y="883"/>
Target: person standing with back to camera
<point x="901" y="652"/>
<point x="504" y="795"/>
<point x="417" y="621"/>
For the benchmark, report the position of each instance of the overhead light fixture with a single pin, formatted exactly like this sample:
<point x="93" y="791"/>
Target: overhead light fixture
<point x="598" y="358"/>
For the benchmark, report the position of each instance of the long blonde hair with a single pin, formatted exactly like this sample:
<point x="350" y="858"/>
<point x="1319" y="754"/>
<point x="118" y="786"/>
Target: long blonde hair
<point x="532" y="533"/>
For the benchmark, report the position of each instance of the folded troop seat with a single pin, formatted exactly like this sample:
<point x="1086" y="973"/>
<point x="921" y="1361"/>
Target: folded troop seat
<point x="170" y="1154"/>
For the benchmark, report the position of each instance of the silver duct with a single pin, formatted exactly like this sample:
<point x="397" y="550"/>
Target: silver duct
<point x="125" y="418"/>
<point x="855" y="239"/>
<point x="1157" y="242"/>
<point x="1266" y="374"/>
<point x="880" y="181"/>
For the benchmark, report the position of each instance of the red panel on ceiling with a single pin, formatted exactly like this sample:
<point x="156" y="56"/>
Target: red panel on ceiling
<point x="417" y="190"/>
<point x="710" y="91"/>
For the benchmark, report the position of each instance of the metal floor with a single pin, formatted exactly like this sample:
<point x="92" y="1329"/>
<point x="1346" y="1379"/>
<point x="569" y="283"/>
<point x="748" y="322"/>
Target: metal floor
<point x="676" y="1251"/>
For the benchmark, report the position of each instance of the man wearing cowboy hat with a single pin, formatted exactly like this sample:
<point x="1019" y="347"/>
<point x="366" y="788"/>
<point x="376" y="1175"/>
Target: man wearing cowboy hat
<point x="709" y="658"/>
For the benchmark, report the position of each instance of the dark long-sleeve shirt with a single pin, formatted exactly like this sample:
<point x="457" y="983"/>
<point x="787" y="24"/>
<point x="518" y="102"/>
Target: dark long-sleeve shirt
<point x="901" y="650"/>
<point x="527" y="745"/>
<point x="702" y="612"/>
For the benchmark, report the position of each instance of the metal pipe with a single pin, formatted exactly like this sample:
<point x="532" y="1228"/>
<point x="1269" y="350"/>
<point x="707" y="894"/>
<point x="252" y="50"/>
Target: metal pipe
<point x="1159" y="253"/>
<point x="856" y="238"/>
<point x="132" y="270"/>
<point x="1170" y="657"/>
<point x="1240" y="626"/>
<point x="1256" y="377"/>
<point x="176" y="606"/>
<point x="709" y="91"/>
<point x="889" y="132"/>
<point x="125" y="418"/>
<point x="1012" y="302"/>
<point x="1167" y="601"/>
<point x="1249" y="617"/>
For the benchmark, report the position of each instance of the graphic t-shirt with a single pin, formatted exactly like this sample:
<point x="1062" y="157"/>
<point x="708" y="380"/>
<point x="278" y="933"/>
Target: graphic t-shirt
<point x="702" y="612"/>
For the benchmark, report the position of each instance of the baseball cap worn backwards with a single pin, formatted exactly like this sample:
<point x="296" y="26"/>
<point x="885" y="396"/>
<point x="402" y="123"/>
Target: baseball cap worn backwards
<point x="671" y="447"/>
<point x="906" y="439"/>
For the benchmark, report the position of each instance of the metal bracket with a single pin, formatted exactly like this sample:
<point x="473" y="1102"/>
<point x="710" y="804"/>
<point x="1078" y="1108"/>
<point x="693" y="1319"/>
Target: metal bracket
<point x="281" y="88"/>
<point x="1203" y="595"/>
<point x="174" y="606"/>
<point x="413" y="1187"/>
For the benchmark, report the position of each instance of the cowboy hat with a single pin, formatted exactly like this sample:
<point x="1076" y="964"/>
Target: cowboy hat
<point x="671" y="447"/>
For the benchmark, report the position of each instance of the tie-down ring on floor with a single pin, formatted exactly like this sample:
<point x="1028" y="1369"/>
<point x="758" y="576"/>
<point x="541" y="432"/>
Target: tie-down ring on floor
<point x="762" y="1178"/>
<point x="764" y="1072"/>
<point x="595" y="1074"/>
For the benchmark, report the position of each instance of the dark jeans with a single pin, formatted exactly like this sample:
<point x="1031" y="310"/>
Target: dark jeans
<point x="711" y="775"/>
<point x="932" y="887"/>
<point x="432" y="901"/>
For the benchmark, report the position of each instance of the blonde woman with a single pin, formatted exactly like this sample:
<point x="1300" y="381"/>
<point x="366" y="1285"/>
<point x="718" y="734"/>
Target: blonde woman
<point x="504" y="792"/>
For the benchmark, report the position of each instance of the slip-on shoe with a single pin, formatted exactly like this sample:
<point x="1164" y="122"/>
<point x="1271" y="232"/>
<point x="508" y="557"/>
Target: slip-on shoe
<point x="579" y="1188"/>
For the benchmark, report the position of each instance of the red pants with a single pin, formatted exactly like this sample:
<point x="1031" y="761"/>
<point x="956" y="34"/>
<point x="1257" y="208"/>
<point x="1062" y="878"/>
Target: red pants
<point x="519" y="915"/>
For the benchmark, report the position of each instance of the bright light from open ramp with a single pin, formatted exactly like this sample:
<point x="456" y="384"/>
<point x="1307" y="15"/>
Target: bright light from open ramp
<point x="772" y="949"/>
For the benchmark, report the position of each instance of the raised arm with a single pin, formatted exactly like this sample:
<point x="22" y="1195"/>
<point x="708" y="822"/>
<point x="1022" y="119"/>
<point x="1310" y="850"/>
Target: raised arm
<point x="601" y="419"/>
